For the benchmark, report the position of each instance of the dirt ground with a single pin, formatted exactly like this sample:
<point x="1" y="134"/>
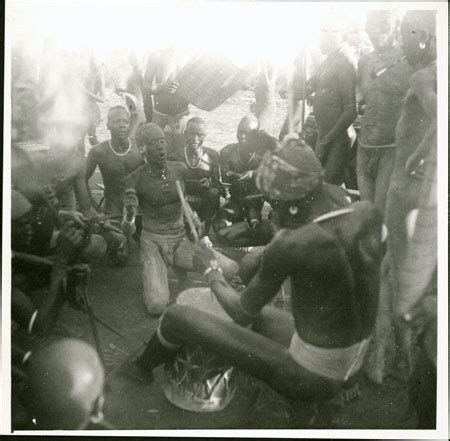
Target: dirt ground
<point x="116" y="295"/>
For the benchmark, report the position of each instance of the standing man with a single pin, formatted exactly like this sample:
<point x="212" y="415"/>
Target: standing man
<point x="153" y="188"/>
<point x="170" y="110"/>
<point x="334" y="104"/>
<point x="332" y="263"/>
<point x="415" y="150"/>
<point x="94" y="93"/>
<point x="203" y="188"/>
<point x="384" y="80"/>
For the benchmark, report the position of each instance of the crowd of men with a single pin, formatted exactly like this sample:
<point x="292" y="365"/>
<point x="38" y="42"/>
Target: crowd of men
<point x="190" y="207"/>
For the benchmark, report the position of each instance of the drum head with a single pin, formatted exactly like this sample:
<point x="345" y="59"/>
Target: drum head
<point x="198" y="380"/>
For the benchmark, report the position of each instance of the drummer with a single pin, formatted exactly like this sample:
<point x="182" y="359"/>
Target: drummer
<point x="333" y="264"/>
<point x="204" y="188"/>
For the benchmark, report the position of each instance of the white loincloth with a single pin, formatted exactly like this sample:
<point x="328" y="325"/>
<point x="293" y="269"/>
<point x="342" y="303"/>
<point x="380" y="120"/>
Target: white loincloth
<point x="334" y="363"/>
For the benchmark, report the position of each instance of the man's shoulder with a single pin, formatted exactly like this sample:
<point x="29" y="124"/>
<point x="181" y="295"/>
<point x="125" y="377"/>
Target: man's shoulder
<point x="306" y="237"/>
<point x="228" y="149"/>
<point x="214" y="154"/>
<point x="141" y="170"/>
<point x="176" y="166"/>
<point x="98" y="148"/>
<point x="424" y="78"/>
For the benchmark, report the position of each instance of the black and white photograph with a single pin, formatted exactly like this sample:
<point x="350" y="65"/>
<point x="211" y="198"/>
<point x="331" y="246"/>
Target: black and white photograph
<point x="225" y="219"/>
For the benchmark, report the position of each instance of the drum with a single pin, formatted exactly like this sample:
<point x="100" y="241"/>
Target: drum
<point x="198" y="380"/>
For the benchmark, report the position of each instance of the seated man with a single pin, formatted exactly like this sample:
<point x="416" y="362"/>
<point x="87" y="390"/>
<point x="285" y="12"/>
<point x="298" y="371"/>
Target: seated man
<point x="52" y="179"/>
<point x="31" y="272"/>
<point x="116" y="158"/>
<point x="163" y="240"/>
<point x="332" y="263"/>
<point x="204" y="187"/>
<point x="237" y="221"/>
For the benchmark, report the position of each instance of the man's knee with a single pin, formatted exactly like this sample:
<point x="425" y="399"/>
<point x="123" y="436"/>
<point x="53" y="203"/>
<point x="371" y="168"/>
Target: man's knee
<point x="155" y="285"/>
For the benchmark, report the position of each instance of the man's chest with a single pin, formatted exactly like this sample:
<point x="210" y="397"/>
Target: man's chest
<point x="198" y="168"/>
<point x="385" y="76"/>
<point x="114" y="165"/>
<point x="156" y="191"/>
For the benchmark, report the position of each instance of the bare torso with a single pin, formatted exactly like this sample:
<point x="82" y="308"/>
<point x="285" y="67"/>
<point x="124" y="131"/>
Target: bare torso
<point x="114" y="170"/>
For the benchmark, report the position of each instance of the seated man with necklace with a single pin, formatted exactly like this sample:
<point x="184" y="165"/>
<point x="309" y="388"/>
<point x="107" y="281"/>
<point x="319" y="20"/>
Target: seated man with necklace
<point x="237" y="222"/>
<point x="153" y="187"/>
<point x="204" y="188"/>
<point x="116" y="158"/>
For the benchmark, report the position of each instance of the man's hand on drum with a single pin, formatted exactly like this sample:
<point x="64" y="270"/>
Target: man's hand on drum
<point x="202" y="258"/>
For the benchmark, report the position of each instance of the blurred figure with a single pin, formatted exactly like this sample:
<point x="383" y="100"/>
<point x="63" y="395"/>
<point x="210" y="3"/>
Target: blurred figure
<point x="38" y="287"/>
<point x="94" y="93"/>
<point x="170" y="111"/>
<point x="64" y="386"/>
<point x="334" y="106"/>
<point x="134" y="87"/>
<point x="310" y="133"/>
<point x="384" y="80"/>
<point x="265" y="105"/>
<point x="415" y="147"/>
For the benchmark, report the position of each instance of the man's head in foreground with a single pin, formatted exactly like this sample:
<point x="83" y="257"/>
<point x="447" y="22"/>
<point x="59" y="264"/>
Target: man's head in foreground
<point x="66" y="380"/>
<point x="288" y="177"/>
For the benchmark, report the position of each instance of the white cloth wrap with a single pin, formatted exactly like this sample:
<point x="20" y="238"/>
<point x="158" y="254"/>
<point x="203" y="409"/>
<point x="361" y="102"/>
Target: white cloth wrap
<point x="334" y="363"/>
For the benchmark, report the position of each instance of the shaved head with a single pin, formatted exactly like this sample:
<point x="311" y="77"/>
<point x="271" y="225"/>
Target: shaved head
<point x="248" y="122"/>
<point x="197" y="121"/>
<point x="113" y="110"/>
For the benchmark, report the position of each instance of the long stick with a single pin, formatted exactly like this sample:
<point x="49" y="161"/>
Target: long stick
<point x="187" y="212"/>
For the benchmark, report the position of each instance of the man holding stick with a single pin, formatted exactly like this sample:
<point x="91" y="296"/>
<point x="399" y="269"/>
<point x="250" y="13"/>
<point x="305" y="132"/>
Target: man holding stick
<point x="153" y="187"/>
